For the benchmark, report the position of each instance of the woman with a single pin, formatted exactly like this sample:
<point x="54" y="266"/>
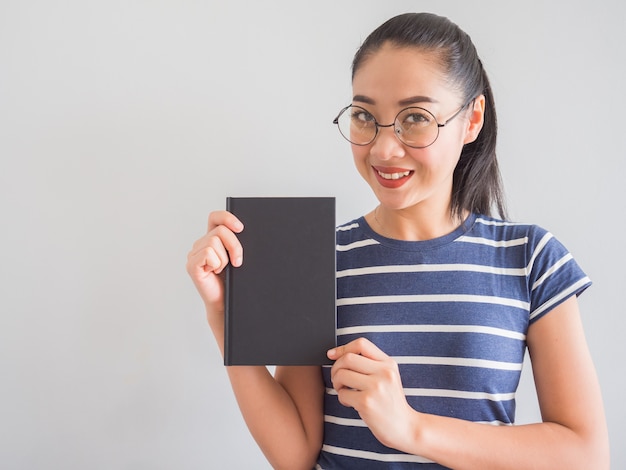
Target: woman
<point x="437" y="300"/>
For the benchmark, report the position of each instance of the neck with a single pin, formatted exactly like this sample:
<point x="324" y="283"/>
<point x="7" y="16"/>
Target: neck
<point x="413" y="223"/>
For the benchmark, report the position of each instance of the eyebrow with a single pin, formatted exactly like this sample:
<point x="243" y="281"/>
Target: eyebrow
<point x="405" y="102"/>
<point x="417" y="99"/>
<point x="363" y="99"/>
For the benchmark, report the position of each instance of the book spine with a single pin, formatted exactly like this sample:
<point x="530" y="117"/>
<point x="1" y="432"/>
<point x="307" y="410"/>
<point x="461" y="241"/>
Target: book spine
<point x="227" y="304"/>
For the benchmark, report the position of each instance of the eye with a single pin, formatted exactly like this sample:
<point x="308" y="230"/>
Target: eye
<point x="416" y="117"/>
<point x="361" y="116"/>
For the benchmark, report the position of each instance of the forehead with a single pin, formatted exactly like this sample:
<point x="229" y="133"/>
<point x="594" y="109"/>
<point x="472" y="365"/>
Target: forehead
<point x="394" y="73"/>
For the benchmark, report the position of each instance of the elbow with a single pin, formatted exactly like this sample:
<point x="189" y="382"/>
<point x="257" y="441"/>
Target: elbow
<point x="594" y="452"/>
<point x="305" y="460"/>
<point x="598" y="449"/>
<point x="578" y="447"/>
<point x="596" y="459"/>
<point x="300" y="464"/>
<point x="600" y="455"/>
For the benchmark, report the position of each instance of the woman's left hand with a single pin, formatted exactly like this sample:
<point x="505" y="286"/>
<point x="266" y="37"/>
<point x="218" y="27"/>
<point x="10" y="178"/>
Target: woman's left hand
<point x="368" y="380"/>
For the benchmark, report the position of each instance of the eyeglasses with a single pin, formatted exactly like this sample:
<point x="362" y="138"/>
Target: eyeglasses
<point x="414" y="126"/>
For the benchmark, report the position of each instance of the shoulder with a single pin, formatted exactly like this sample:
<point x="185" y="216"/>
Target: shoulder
<point x="535" y="239"/>
<point x="349" y="226"/>
<point x="499" y="229"/>
<point x="353" y="231"/>
<point x="504" y="233"/>
<point x="552" y="275"/>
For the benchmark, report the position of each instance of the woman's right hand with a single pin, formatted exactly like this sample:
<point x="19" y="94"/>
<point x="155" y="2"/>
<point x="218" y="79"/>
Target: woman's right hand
<point x="211" y="254"/>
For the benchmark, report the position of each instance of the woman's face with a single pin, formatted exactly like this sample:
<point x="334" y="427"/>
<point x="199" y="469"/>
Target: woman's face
<point x="401" y="176"/>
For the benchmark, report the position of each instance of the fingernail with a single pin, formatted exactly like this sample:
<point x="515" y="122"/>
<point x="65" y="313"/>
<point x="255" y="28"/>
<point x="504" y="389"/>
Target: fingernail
<point x="331" y="352"/>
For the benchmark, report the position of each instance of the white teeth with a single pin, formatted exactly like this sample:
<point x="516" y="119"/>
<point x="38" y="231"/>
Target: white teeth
<point x="393" y="176"/>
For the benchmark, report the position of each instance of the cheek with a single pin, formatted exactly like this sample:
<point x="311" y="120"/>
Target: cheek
<point x="437" y="161"/>
<point x="358" y="151"/>
<point x="360" y="157"/>
<point x="446" y="151"/>
<point x="427" y="158"/>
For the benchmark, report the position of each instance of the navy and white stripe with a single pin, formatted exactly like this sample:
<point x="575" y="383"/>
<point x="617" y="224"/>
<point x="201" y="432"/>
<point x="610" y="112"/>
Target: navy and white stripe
<point x="453" y="312"/>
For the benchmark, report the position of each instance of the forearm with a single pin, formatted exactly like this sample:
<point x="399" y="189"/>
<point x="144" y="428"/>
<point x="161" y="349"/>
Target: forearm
<point x="460" y="445"/>
<point x="274" y="419"/>
<point x="269" y="411"/>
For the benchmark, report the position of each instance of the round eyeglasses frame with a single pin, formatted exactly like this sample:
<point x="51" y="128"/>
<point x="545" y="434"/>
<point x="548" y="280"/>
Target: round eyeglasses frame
<point x="396" y="126"/>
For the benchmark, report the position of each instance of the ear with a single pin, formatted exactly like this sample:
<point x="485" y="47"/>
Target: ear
<point x="476" y="119"/>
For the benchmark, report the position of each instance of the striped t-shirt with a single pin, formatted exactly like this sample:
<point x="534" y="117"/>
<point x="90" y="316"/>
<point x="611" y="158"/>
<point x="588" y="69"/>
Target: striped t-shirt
<point x="453" y="312"/>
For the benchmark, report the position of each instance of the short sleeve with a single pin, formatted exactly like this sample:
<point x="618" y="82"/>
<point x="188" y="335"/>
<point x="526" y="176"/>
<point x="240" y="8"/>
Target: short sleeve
<point x="553" y="274"/>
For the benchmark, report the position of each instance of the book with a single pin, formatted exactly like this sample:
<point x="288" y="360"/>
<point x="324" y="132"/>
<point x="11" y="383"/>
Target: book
<point x="280" y="305"/>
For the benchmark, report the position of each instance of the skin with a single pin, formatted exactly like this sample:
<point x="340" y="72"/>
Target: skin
<point x="573" y="433"/>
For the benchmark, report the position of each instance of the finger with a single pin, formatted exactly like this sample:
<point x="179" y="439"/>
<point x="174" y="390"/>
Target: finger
<point x="360" y="346"/>
<point x="226" y="219"/>
<point x="350" y="397"/>
<point x="356" y="363"/>
<point x="216" y="247"/>
<point x="212" y="261"/>
<point x="200" y="262"/>
<point x="229" y="242"/>
<point x="210" y="253"/>
<point x="225" y="243"/>
<point x="351" y="379"/>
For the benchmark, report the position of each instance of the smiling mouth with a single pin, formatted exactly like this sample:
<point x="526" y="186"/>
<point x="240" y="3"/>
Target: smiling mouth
<point x="393" y="176"/>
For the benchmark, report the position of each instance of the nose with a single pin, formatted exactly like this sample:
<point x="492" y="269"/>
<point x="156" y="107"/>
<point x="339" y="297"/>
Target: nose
<point x="386" y="145"/>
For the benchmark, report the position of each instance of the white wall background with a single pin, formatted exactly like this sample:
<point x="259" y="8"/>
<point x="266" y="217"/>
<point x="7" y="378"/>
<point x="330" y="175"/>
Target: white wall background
<point x="123" y="123"/>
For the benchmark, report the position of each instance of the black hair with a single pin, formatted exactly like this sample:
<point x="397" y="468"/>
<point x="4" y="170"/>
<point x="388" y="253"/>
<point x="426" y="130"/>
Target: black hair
<point x="477" y="184"/>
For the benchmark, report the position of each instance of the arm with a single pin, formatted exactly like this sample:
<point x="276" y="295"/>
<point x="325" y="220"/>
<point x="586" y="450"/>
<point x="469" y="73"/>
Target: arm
<point x="284" y="413"/>
<point x="573" y="432"/>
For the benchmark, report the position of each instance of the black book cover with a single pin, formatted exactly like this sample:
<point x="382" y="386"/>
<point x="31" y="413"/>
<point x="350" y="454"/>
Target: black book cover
<point x="280" y="304"/>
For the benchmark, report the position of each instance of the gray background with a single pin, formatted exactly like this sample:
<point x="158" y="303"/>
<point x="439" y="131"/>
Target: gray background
<point x="123" y="123"/>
